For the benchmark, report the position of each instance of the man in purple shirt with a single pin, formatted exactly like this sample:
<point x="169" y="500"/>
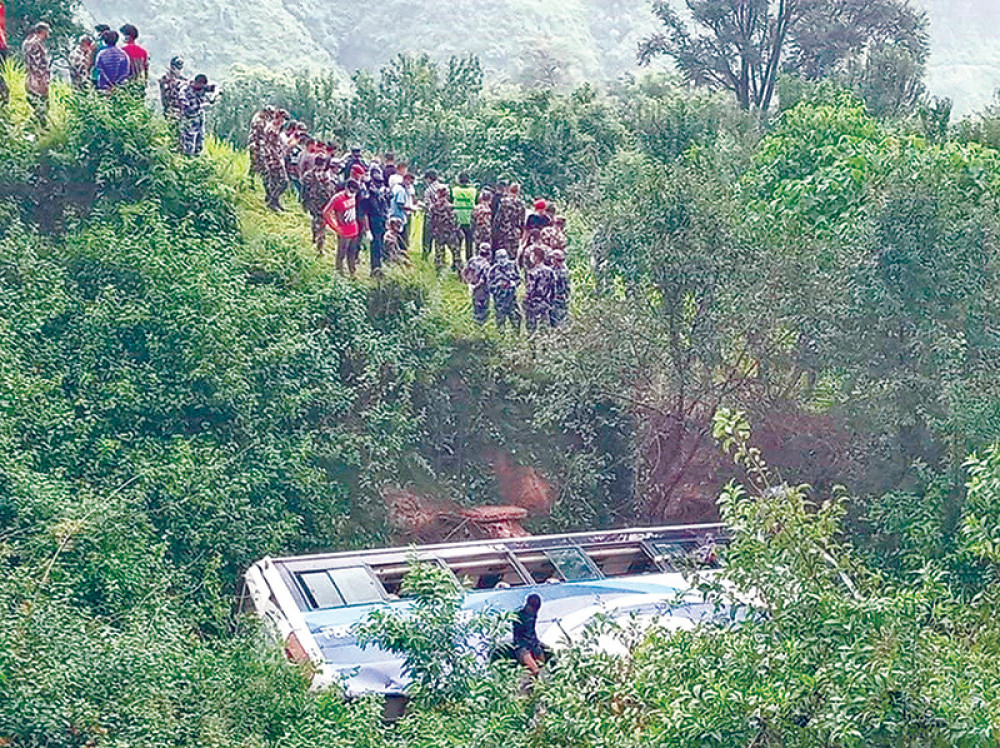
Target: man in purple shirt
<point x="113" y="65"/>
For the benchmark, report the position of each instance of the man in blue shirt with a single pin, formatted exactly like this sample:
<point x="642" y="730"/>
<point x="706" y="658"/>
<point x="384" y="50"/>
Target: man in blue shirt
<point x="112" y="65"/>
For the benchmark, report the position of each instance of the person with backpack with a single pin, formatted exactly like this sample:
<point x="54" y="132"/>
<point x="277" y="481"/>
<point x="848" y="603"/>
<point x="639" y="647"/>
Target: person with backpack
<point x="504" y="279"/>
<point x="540" y="287"/>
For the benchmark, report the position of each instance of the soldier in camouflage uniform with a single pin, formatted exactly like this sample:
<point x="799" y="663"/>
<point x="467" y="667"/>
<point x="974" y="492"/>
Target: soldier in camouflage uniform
<point x="503" y="282"/>
<point x="510" y="219"/>
<point x="39" y="73"/>
<point x="554" y="235"/>
<point x="312" y="149"/>
<point x="539" y="294"/>
<point x="560" y="297"/>
<point x="81" y="61"/>
<point x="273" y="158"/>
<point x="394" y="243"/>
<point x="194" y="101"/>
<point x="476" y="274"/>
<point x="255" y="140"/>
<point x="293" y="146"/>
<point x="533" y="252"/>
<point x="317" y="189"/>
<point x="482" y="221"/>
<point x="442" y="225"/>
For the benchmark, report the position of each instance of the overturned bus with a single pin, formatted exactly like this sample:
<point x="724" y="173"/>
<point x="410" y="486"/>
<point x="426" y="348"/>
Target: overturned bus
<point x="312" y="603"/>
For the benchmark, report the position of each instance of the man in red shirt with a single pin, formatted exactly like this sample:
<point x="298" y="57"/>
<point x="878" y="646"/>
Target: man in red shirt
<point x="138" y="57"/>
<point x="341" y="215"/>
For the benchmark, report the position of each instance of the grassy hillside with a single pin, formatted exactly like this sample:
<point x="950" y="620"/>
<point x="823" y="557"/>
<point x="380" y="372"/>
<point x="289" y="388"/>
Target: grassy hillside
<point x="185" y="387"/>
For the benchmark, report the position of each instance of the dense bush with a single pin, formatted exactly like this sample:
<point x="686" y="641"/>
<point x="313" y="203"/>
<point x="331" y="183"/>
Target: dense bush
<point x="184" y="388"/>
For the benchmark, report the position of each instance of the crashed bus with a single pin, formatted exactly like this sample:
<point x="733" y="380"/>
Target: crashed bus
<point x="312" y="603"/>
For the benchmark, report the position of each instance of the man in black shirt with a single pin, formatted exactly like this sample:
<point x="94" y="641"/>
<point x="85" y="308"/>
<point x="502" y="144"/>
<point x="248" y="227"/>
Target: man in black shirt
<point x="527" y="648"/>
<point x="373" y="205"/>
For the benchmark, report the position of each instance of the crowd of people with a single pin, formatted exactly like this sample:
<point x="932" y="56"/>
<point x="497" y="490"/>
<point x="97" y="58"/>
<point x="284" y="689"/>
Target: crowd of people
<point x="106" y="61"/>
<point x="492" y="240"/>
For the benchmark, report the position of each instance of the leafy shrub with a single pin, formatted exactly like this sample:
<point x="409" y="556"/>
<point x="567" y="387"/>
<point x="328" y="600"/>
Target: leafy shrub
<point x="445" y="651"/>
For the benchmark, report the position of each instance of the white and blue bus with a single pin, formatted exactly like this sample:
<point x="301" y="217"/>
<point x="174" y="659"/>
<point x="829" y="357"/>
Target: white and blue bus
<point x="313" y="602"/>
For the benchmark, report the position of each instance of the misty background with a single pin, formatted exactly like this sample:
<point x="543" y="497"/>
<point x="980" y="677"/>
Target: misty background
<point x="524" y="41"/>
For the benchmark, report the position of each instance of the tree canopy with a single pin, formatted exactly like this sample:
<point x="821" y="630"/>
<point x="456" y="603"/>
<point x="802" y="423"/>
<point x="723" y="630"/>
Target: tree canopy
<point x="742" y="46"/>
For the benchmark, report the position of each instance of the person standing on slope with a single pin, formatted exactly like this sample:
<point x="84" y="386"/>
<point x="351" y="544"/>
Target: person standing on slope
<point x="172" y="85"/>
<point x="36" y="59"/>
<point x="342" y="216"/>
<point x="503" y="281"/>
<point x="255" y="140"/>
<point x="4" y="51"/>
<point x="482" y="220"/>
<point x="138" y="58"/>
<point x="477" y="275"/>
<point x="317" y="191"/>
<point x="540" y="287"/>
<point x="442" y="229"/>
<point x="463" y="197"/>
<point x="374" y="208"/>
<point x="112" y="64"/>
<point x="561" y="292"/>
<point x="273" y="156"/>
<point x="81" y="62"/>
<point x="509" y="221"/>
<point x="194" y="102"/>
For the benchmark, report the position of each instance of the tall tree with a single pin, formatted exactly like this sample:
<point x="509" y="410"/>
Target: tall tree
<point x="743" y="45"/>
<point x="59" y="14"/>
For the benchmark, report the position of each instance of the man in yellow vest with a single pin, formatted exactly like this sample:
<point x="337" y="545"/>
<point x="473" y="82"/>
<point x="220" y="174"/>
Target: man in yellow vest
<point x="463" y="197"/>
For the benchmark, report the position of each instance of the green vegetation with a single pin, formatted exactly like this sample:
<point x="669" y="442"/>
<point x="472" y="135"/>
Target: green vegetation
<point x="185" y="387"/>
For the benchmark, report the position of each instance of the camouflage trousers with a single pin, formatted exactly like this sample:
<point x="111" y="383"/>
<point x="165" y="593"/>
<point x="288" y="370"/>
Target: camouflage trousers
<point x="192" y="136"/>
<point x="40" y="106"/>
<point x="559" y="312"/>
<point x="536" y="312"/>
<point x="505" y="303"/>
<point x="480" y="305"/>
<point x="4" y="90"/>
<point x="275" y="184"/>
<point x="319" y="231"/>
<point x="456" y="253"/>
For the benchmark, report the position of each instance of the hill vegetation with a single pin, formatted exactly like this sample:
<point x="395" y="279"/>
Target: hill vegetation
<point x="568" y="42"/>
<point x="185" y="387"/>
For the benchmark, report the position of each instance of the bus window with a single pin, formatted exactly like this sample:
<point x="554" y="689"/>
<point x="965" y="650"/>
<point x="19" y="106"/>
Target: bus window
<point x="682" y="556"/>
<point x="391" y="575"/>
<point x="320" y="590"/>
<point x="558" y="565"/>
<point x="336" y="588"/>
<point x="485" y="571"/>
<point x="670" y="555"/>
<point x="621" y="559"/>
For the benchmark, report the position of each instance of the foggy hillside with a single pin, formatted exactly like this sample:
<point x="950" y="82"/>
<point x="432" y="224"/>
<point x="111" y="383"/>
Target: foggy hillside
<point x="520" y="40"/>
